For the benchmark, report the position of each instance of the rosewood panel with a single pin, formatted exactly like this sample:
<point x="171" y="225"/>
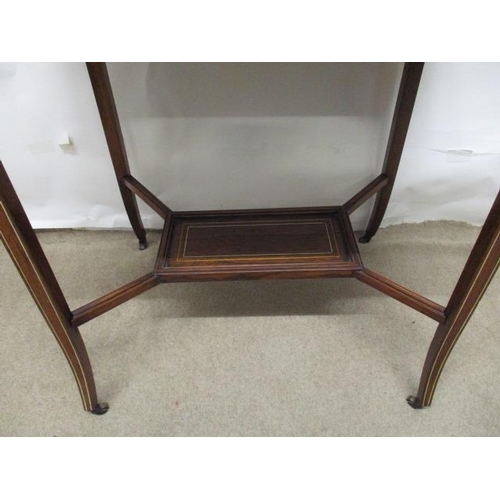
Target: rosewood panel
<point x="261" y="244"/>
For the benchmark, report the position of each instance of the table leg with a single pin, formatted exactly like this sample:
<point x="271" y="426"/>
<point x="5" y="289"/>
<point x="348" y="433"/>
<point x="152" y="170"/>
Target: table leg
<point x="24" y="248"/>
<point x="408" y="88"/>
<point x="478" y="272"/>
<point x="101" y="86"/>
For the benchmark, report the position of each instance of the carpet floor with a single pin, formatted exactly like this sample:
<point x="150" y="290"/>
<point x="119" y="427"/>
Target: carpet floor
<point x="269" y="358"/>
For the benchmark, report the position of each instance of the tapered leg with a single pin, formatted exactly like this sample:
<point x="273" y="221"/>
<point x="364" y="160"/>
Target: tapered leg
<point x="25" y="250"/>
<point x="479" y="270"/>
<point x="401" y="121"/>
<point x="101" y="85"/>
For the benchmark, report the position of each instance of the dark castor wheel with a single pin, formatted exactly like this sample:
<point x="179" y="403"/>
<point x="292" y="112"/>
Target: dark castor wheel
<point x="143" y="244"/>
<point x="414" y="402"/>
<point x="365" y="238"/>
<point x="100" y="409"/>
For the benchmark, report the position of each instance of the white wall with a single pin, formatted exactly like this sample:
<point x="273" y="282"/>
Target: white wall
<point x="250" y="135"/>
<point x="451" y="162"/>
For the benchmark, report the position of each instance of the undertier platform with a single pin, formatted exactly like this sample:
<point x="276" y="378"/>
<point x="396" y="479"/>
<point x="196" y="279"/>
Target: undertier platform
<point x="257" y="244"/>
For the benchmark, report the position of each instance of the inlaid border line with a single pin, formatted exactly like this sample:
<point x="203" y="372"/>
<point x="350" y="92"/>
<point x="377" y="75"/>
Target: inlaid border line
<point x="30" y="288"/>
<point x="257" y="223"/>
<point x="473" y="308"/>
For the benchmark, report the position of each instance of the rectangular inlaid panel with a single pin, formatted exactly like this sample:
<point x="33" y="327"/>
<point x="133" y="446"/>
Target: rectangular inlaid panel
<point x="242" y="244"/>
<point x="269" y="239"/>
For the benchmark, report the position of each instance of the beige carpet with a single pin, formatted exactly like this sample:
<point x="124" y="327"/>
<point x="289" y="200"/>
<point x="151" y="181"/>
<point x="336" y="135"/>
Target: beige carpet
<point x="270" y="358"/>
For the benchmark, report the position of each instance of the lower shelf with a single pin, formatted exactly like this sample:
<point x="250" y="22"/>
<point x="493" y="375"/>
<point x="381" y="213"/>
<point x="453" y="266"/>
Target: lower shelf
<point x="257" y="244"/>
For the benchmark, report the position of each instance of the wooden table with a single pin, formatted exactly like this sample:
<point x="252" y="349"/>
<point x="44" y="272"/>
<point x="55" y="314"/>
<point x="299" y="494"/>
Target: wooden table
<point x="248" y="244"/>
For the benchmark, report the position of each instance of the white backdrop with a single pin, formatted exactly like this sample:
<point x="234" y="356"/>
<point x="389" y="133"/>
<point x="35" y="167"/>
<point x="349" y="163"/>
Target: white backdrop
<point x="248" y="136"/>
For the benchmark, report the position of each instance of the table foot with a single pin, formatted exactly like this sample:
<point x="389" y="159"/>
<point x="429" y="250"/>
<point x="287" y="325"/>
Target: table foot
<point x="100" y="409"/>
<point x="365" y="238"/>
<point x="414" y="402"/>
<point x="143" y="244"/>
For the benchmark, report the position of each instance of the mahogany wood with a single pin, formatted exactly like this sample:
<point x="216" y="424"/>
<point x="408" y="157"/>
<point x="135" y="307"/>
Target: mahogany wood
<point x="256" y="211"/>
<point x="27" y="254"/>
<point x="105" y="101"/>
<point x="258" y="244"/>
<point x="478" y="272"/>
<point x="147" y="196"/>
<point x="402" y="294"/>
<point x="166" y="236"/>
<point x="366" y="193"/>
<point x="113" y="299"/>
<point x="247" y="244"/>
<point x="408" y="88"/>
